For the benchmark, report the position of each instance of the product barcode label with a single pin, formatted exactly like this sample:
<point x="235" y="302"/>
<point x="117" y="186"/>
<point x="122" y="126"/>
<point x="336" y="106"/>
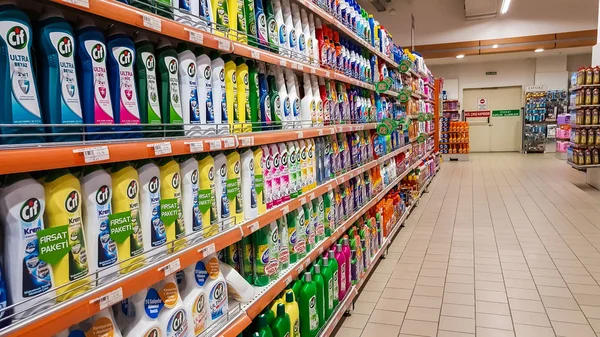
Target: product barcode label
<point x="206" y="251"/>
<point x="172" y="267"/>
<point x="152" y="22"/>
<point x="196" y="146"/>
<point x="215" y="144"/>
<point x="306" y="263"/>
<point x="302" y="201"/>
<point x="300" y="269"/>
<point x="94" y="154"/>
<point x="247" y="141"/>
<point x="196" y="37"/>
<point x="254" y="227"/>
<point x="321" y="250"/>
<point x="320" y="132"/>
<point x="110" y="298"/>
<point x="161" y="148"/>
<point x="329" y="187"/>
<point x="229" y="142"/>
<point x="224" y="44"/>
<point x="300" y="67"/>
<point x="311" y="196"/>
<point x="282" y="62"/>
<point x="327" y="74"/>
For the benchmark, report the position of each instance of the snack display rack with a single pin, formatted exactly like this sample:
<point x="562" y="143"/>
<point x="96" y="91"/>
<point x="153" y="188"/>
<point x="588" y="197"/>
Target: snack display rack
<point x="584" y="107"/>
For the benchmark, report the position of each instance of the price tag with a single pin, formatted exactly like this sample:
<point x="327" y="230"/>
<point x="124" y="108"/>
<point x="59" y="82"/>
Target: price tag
<point x="109" y="299"/>
<point x="215" y="144"/>
<point x="311" y="196"/>
<point x="255" y="54"/>
<point x="82" y="3"/>
<point x="283" y="63"/>
<point x="161" y="148"/>
<point x="299" y="269"/>
<point x="321" y="250"/>
<point x="327" y="74"/>
<point x="285" y="210"/>
<point x="94" y="154"/>
<point x="306" y="263"/>
<point x="294" y="65"/>
<point x="196" y="37"/>
<point x="247" y="141"/>
<point x="229" y="142"/>
<point x="302" y="201"/>
<point x="300" y="134"/>
<point x="152" y="22"/>
<point x="206" y="251"/>
<point x="300" y="67"/>
<point x="172" y="267"/>
<point x="224" y="44"/>
<point x="196" y="146"/>
<point x="329" y="187"/>
<point x="320" y="132"/>
<point x="288" y="280"/>
<point x="332" y="241"/>
<point x="342" y="180"/>
<point x="332" y="131"/>
<point x="254" y="227"/>
<point x="313" y="70"/>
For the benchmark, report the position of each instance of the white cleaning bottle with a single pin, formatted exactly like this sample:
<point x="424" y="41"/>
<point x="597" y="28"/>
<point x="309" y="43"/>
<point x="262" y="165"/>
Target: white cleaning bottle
<point x="143" y="321"/>
<point x="292" y="90"/>
<point x="101" y="324"/>
<point x="286" y="119"/>
<point x="275" y="175"/>
<point x="195" y="298"/>
<point x="281" y="29"/>
<point x="221" y="186"/>
<point x="305" y="103"/>
<point x="96" y="189"/>
<point x="204" y="84"/>
<point x="22" y="205"/>
<point x="309" y="42"/>
<point x="248" y="187"/>
<point x="189" y="195"/>
<point x="284" y="173"/>
<point x="153" y="229"/>
<point x="218" y="89"/>
<point x="318" y="100"/>
<point x="209" y="276"/>
<point x="313" y="35"/>
<point x="300" y="38"/>
<point x="292" y="42"/>
<point x="173" y="316"/>
<point x="188" y="89"/>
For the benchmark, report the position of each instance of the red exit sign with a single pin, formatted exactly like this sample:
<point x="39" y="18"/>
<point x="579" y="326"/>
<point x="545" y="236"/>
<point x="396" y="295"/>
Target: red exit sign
<point x="478" y="113"/>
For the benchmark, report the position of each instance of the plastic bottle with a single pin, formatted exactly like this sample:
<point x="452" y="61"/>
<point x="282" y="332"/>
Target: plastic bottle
<point x="307" y="303"/>
<point x="195" y="298"/>
<point x="153" y="229"/>
<point x="147" y="86"/>
<point x="328" y="289"/>
<point x="93" y="81"/>
<point x="231" y="94"/>
<point x="276" y="102"/>
<point x="340" y="257"/>
<point x="63" y="201"/>
<point x="316" y="51"/>
<point x="248" y="187"/>
<point x="306" y="102"/>
<point x="291" y="169"/>
<point x="309" y="227"/>
<point x="189" y="194"/>
<point x="284" y="251"/>
<point x="281" y="325"/>
<point x="308" y="39"/>
<point x="125" y="207"/>
<point x="259" y="181"/>
<point x="173" y="316"/>
<point x="218" y="88"/>
<point x="320" y="283"/>
<point x="267" y="165"/>
<point x="220" y="164"/>
<point x="207" y="202"/>
<point x="204" y="85"/>
<point x="292" y="91"/>
<point x="144" y="322"/>
<point x="264" y="98"/>
<point x="301" y="246"/>
<point x="286" y="109"/>
<point x="284" y="172"/>
<point x="188" y="89"/>
<point x="22" y="202"/>
<point x="170" y="188"/>
<point x="59" y="90"/>
<point x="234" y="190"/>
<point x="300" y="45"/>
<point x="318" y="101"/>
<point x="96" y="188"/>
<point x="168" y="89"/>
<point x="282" y="29"/>
<point x="335" y="276"/>
<point x="221" y="17"/>
<point x="263" y="327"/>
<point x="243" y="93"/>
<point x="253" y="107"/>
<point x="103" y="322"/>
<point x="348" y="255"/>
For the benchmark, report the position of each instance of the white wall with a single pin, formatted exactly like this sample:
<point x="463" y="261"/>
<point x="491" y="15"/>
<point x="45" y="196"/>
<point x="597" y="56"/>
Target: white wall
<point x="552" y="72"/>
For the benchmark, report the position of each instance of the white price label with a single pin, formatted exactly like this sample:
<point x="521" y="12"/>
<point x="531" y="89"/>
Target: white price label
<point x="229" y="142"/>
<point x="313" y="70"/>
<point x="329" y="187"/>
<point x="81" y="3"/>
<point x="285" y="210"/>
<point x="152" y="22"/>
<point x="210" y="249"/>
<point x="332" y="240"/>
<point x="342" y="180"/>
<point x="255" y="54"/>
<point x="94" y="154"/>
<point x="196" y="146"/>
<point x="311" y="196"/>
<point x="215" y="144"/>
<point x="332" y="131"/>
<point x="282" y="62"/>
<point x="320" y="132"/>
<point x="306" y="263"/>
<point x="300" y="134"/>
<point x="254" y="227"/>
<point x="172" y="267"/>
<point x="109" y="299"/>
<point x="161" y="148"/>
<point x="196" y="37"/>
<point x="321" y="250"/>
<point x="247" y="141"/>
<point x="327" y="74"/>
<point x="224" y="45"/>
<point x="300" y="67"/>
<point x="294" y="65"/>
<point x="288" y="280"/>
<point x="302" y="201"/>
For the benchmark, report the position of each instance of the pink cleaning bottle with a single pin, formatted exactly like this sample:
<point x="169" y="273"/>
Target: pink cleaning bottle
<point x="275" y="175"/>
<point x="267" y="165"/>
<point x="348" y="256"/>
<point x="340" y="257"/>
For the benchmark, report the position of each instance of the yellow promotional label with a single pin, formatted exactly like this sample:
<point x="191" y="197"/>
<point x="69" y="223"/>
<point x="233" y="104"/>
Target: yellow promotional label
<point x="199" y="311"/>
<point x="169" y="294"/>
<point x="170" y="188"/>
<point x="213" y="269"/>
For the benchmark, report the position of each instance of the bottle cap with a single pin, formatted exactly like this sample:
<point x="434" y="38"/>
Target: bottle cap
<point x="331" y="254"/>
<point x="280" y="309"/>
<point x="317" y="269"/>
<point x="262" y="321"/>
<point x="307" y="277"/>
<point x="325" y="261"/>
<point x="289" y="296"/>
<point x="339" y="247"/>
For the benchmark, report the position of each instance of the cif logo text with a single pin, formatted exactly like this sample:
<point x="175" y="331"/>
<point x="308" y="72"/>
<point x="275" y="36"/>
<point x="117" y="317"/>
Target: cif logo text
<point x="65" y="46"/>
<point x="98" y="52"/>
<point x="154" y="184"/>
<point x="132" y="189"/>
<point x="30" y="210"/>
<point x="17" y="37"/>
<point x="150" y="62"/>
<point x="175" y="181"/>
<point x="103" y="195"/>
<point x="173" y="66"/>
<point x="126" y="58"/>
<point x="72" y="201"/>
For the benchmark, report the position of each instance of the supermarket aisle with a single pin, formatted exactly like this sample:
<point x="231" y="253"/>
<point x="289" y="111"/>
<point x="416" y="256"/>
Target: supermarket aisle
<point x="503" y="245"/>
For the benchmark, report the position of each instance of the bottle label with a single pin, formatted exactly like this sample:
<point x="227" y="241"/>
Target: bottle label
<point x="37" y="272"/>
<point x="343" y="277"/>
<point x="177" y="325"/>
<point x="265" y="108"/>
<point x="293" y="42"/>
<point x="262" y="28"/>
<point x="330" y="293"/>
<point x="335" y="283"/>
<point x="152" y="332"/>
<point x="189" y="91"/>
<point x="224" y="116"/>
<point x="312" y="313"/>
<point x="180" y="222"/>
<point x="103" y="113"/>
<point x="78" y="266"/>
<point x="296" y="107"/>
<point x="153" y="303"/>
<point x="284" y="175"/>
<point x="282" y="35"/>
<point x="154" y="116"/>
<point x="302" y="43"/>
<point x="196" y="216"/>
<point x="276" y="181"/>
<point x="136" y="238"/>
<point x="107" y="248"/>
<point x="175" y="113"/>
<point x="218" y="300"/>
<point x="251" y="18"/>
<point x="205" y="96"/>
<point x="222" y="18"/>
<point x="158" y="236"/>
<point x="252" y="176"/>
<point x="223" y="197"/>
<point x="310" y="228"/>
<point x="185" y="5"/>
<point x="236" y="110"/>
<point x="199" y="314"/>
<point x="129" y="112"/>
<point x="272" y="28"/>
<point x="70" y="104"/>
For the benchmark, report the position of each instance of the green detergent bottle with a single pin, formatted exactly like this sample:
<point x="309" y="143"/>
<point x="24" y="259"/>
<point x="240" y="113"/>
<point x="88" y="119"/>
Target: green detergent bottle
<point x="147" y="86"/>
<point x="263" y="326"/>
<point x="253" y="95"/>
<point x="307" y="301"/>
<point x="168" y="88"/>
<point x="281" y="324"/>
<point x="320" y="283"/>
<point x="272" y="31"/>
<point x="249" y="11"/>
<point x="327" y="288"/>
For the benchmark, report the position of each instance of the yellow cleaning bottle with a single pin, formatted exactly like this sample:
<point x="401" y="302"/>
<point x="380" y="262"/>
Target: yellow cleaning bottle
<point x="259" y="180"/>
<point x="243" y="96"/>
<point x="170" y="192"/>
<point x="126" y="216"/>
<point x="231" y="94"/>
<point x="63" y="208"/>
<point x="234" y="186"/>
<point x="207" y="200"/>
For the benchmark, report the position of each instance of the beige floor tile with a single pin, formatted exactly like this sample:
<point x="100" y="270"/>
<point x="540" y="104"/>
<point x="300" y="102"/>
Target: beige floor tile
<point x="491" y="296"/>
<point x="526" y="305"/>
<point x="483" y="276"/>
<point x="398" y="294"/>
<point x="380" y="330"/>
<point x="401" y="283"/>
<point x="549" y="281"/>
<point x="533" y="331"/>
<point x="429" y="290"/>
<point x="584" y="299"/>
<point x="461" y="288"/>
<point x="365" y="308"/>
<point x="419" y="328"/>
<point x="423" y="314"/>
<point x="455" y="298"/>
<point x="431" y="281"/>
<point x="457" y="324"/>
<point x="595" y="323"/>
<point x="554" y="291"/>
<point x="584" y="289"/>
<point x="518" y="283"/>
<point x="369" y="296"/>
<point x="568" y="316"/>
<point x="387" y="317"/>
<point x="356" y="321"/>
<point x="426" y="301"/>
<point x="458" y="310"/>
<point x="488" y="285"/>
<point x="560" y="303"/>
<point x="495" y="308"/>
<point x="573" y="330"/>
<point x="487" y="332"/>
<point x="392" y="304"/>
<point x="461" y="270"/>
<point x="579" y="279"/>
<point x="432" y="272"/>
<point x="460" y="278"/>
<point x="375" y="286"/>
<point x="494" y="321"/>
<point x="443" y="333"/>
<point x="348" y="332"/>
<point x="591" y="312"/>
<point x="530" y="318"/>
<point x="525" y="294"/>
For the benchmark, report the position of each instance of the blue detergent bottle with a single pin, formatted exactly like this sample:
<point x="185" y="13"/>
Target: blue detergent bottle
<point x="93" y="81"/>
<point x="59" y="91"/>
<point x="120" y="61"/>
<point x="20" y="104"/>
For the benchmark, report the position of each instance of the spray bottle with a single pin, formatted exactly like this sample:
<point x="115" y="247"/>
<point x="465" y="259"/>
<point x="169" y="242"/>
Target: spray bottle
<point x="299" y="48"/>
<point x="272" y="27"/>
<point x="276" y="102"/>
<point x="318" y="101"/>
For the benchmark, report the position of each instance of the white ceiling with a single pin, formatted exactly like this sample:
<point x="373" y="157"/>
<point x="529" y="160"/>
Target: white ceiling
<point x="443" y="21"/>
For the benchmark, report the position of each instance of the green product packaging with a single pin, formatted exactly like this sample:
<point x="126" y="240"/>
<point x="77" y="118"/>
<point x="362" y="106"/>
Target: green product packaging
<point x="327" y="288"/>
<point x="232" y="257"/>
<point x="319" y="229"/>
<point x="333" y="269"/>
<point x="296" y="286"/>
<point x="247" y="257"/>
<point x="284" y="252"/>
<point x="263" y="326"/>
<point x="300" y="233"/>
<point x="281" y="325"/>
<point x="276" y="104"/>
<point x="291" y="308"/>
<point x="168" y="88"/>
<point x="249" y="12"/>
<point x="273" y="34"/>
<point x="147" y="86"/>
<point x="354" y="273"/>
<point x="320" y="283"/>
<point x="292" y="236"/>
<point x="254" y="94"/>
<point x="307" y="302"/>
<point x="260" y="245"/>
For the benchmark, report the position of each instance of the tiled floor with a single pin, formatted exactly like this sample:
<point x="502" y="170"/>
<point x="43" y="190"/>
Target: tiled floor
<point x="503" y="245"/>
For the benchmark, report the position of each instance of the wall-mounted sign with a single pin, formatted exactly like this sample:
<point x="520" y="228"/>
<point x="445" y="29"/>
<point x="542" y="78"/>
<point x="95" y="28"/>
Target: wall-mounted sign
<point x="505" y="113"/>
<point x="480" y="113"/>
<point x="482" y="103"/>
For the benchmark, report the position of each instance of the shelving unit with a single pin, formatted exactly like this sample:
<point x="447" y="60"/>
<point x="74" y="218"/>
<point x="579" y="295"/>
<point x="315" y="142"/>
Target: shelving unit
<point x="582" y="152"/>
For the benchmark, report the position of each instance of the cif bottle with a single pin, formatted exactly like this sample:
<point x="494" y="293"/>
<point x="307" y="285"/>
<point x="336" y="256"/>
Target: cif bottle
<point x="220" y="16"/>
<point x="223" y="210"/>
<point x="144" y="323"/>
<point x="243" y="93"/>
<point x="103" y="321"/>
<point x="93" y="81"/>
<point x="317" y="98"/>
<point x="281" y="325"/>
<point x="292" y="91"/>
<point x="276" y="103"/>
<point x="307" y="302"/>
<point x="204" y="85"/>
<point x="189" y="194"/>
<point x="267" y="165"/>
<point x="306" y="102"/>
<point x="233" y="183"/>
<point x="96" y="188"/>
<point x="126" y="207"/>
<point x="259" y="180"/>
<point x="300" y="38"/>
<point x="286" y="117"/>
<point x="291" y="308"/>
<point x="63" y="201"/>
<point x="276" y="191"/>
<point x="22" y="202"/>
<point x="281" y="28"/>
<point x="340" y="257"/>
<point x="195" y="298"/>
<point x="291" y="41"/>
<point x="218" y="87"/>
<point x="170" y="97"/>
<point x="328" y="289"/>
<point x="335" y="275"/>
<point x="153" y="228"/>
<point x="189" y="90"/>
<point x="59" y="90"/>
<point x="250" y="17"/>
<point x="320" y="285"/>
<point x="248" y="184"/>
<point x="147" y="86"/>
<point x="284" y="172"/>
<point x="121" y="65"/>
<point x="170" y="188"/>
<point x="207" y="202"/>
<point x="260" y="25"/>
<point x="272" y="27"/>
<point x="231" y="94"/>
<point x="20" y="103"/>
<point x="264" y="98"/>
<point x="253" y="97"/>
<point x="309" y="43"/>
<point x="291" y="169"/>
<point x="316" y="53"/>
<point x="284" y="252"/>
<point x="173" y="316"/>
